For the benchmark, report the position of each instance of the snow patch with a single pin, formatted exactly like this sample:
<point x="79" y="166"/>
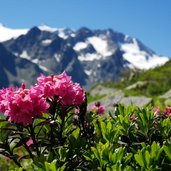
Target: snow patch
<point x="141" y="59"/>
<point x="8" y="33"/>
<point x="46" y="42"/>
<point x="15" y="53"/>
<point x="88" y="72"/>
<point x="43" y="68"/>
<point x="61" y="34"/>
<point x="36" y="61"/>
<point x="57" y="57"/>
<point x="99" y="65"/>
<point x="90" y="57"/>
<point x="101" y="45"/>
<point x="132" y="48"/>
<point x="47" y="28"/>
<point x="73" y="35"/>
<point x="79" y="46"/>
<point x="25" y="55"/>
<point x="60" y="31"/>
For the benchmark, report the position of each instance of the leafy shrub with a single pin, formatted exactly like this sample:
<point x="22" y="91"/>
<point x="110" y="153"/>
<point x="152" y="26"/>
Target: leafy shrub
<point x="69" y="137"/>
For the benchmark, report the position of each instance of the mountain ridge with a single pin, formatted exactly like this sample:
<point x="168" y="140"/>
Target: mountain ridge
<point x="89" y="56"/>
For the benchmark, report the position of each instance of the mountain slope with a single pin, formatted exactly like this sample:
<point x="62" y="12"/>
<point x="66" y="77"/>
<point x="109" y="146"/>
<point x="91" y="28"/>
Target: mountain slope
<point x="15" y="70"/>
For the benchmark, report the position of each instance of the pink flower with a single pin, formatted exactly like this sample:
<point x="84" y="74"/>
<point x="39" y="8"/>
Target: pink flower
<point x="68" y="93"/>
<point x="98" y="107"/>
<point x="156" y="110"/>
<point x="29" y="142"/>
<point x="76" y="110"/>
<point x="45" y="85"/>
<point x="5" y="95"/>
<point x="7" y="158"/>
<point x="23" y="105"/>
<point x="19" y="157"/>
<point x="167" y="111"/>
<point x="132" y="117"/>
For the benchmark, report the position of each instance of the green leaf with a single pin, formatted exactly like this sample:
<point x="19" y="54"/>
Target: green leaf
<point x="37" y="162"/>
<point x="103" y="129"/>
<point x="52" y="166"/>
<point x="62" y="168"/>
<point x="147" y="157"/>
<point x="167" y="150"/>
<point x="62" y="152"/>
<point x="95" y="152"/>
<point x="88" y="156"/>
<point x="120" y="154"/>
<point x="75" y="133"/>
<point x="156" y="151"/>
<point x="47" y="166"/>
<point x="128" y="158"/>
<point x="112" y="157"/>
<point x="139" y="159"/>
<point x="109" y="126"/>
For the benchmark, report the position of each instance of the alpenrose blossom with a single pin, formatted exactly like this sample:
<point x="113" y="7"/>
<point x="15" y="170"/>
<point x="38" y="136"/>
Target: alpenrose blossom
<point x="22" y="105"/>
<point x="61" y="86"/>
<point x="7" y="158"/>
<point x="5" y="95"/>
<point x="98" y="107"/>
<point x="167" y="111"/>
<point x="29" y="142"/>
<point x="156" y="110"/>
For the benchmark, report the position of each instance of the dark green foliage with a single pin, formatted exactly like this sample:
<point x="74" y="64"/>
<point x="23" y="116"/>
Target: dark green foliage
<point x="130" y="139"/>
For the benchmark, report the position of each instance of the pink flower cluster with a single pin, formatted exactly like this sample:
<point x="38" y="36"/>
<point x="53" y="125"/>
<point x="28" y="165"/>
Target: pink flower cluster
<point x="167" y="111"/>
<point x="22" y="105"/>
<point x="68" y="93"/>
<point x="98" y="107"/>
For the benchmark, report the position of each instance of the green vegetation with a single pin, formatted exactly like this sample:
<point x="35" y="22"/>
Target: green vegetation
<point x="156" y="81"/>
<point x="131" y="139"/>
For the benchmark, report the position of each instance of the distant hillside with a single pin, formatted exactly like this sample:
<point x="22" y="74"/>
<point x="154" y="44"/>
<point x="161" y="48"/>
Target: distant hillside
<point x="151" y="83"/>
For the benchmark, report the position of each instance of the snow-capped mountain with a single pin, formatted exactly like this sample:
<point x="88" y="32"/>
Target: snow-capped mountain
<point x="90" y="56"/>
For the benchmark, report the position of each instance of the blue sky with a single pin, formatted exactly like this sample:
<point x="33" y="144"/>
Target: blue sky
<point x="148" y="20"/>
